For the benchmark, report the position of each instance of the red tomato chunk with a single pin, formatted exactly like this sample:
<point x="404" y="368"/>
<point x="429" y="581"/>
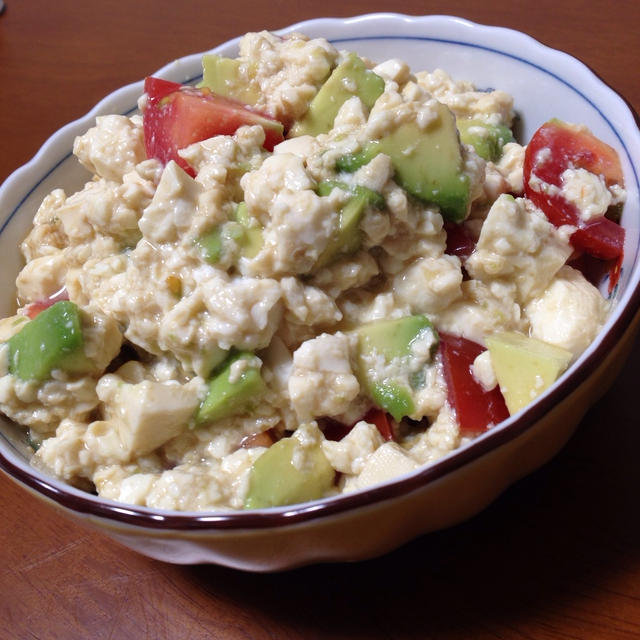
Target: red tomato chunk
<point x="476" y="408"/>
<point x="176" y="116"/>
<point x="555" y="147"/>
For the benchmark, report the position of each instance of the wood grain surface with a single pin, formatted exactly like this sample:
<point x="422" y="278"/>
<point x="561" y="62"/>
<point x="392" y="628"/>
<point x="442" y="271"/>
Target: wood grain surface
<point x="556" y="557"/>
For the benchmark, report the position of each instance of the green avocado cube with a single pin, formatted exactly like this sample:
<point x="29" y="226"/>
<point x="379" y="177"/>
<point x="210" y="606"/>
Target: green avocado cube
<point x="214" y="243"/>
<point x="393" y="340"/>
<point x="276" y="480"/>
<point x="350" y="78"/>
<point x="52" y="340"/>
<point x="211" y="245"/>
<point x="351" y="162"/>
<point x="222" y="75"/>
<point x="487" y="139"/>
<point x="394" y="398"/>
<point x="525" y="367"/>
<point x="235" y="387"/>
<point x="252" y="239"/>
<point x="347" y="237"/>
<point x="242" y="232"/>
<point x="427" y="163"/>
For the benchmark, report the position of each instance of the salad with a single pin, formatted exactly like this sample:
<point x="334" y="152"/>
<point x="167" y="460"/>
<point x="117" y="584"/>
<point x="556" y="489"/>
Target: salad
<point x="306" y="275"/>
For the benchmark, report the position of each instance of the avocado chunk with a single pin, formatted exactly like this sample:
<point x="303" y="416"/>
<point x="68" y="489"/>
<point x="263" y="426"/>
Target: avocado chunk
<point x="52" y="340"/>
<point x="353" y="161"/>
<point x="347" y="237"/>
<point x="350" y="78"/>
<point x="235" y="387"/>
<point x="524" y="366"/>
<point x="215" y="243"/>
<point x="222" y="75"/>
<point x="427" y="163"/>
<point x="252" y="239"/>
<point x="276" y="480"/>
<point x="391" y="343"/>
<point x="242" y="233"/>
<point x="487" y="139"/>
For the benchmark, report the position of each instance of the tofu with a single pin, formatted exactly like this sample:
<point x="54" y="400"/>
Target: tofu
<point x="387" y="462"/>
<point x="519" y="244"/>
<point x="322" y="382"/>
<point x="148" y="414"/>
<point x="569" y="313"/>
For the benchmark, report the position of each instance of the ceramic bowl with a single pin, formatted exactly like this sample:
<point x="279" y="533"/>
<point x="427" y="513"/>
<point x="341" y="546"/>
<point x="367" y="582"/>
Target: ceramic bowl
<point x="545" y="83"/>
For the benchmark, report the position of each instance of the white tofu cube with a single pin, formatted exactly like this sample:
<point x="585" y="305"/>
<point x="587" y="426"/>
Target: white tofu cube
<point x="148" y="414"/>
<point x="385" y="463"/>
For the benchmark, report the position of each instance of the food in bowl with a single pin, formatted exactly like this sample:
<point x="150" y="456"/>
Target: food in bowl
<point x="307" y="276"/>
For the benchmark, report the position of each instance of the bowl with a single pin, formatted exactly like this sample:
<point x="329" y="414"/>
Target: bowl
<point x="545" y="83"/>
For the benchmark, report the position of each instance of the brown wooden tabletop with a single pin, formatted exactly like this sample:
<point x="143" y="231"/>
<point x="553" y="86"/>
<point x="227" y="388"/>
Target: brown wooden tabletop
<point x="556" y="557"/>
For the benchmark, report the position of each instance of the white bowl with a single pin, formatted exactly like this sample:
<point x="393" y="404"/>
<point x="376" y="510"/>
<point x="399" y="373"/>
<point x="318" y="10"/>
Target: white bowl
<point x="545" y="83"/>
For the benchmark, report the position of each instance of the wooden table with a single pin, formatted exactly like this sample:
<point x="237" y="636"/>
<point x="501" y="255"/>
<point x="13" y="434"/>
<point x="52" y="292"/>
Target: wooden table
<point x="556" y="557"/>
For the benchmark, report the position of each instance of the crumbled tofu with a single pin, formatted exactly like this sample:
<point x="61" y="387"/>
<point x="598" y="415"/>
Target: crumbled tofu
<point x="112" y="148"/>
<point x="169" y="213"/>
<point x="148" y="414"/>
<point x="322" y="382"/>
<point x="428" y="285"/>
<point x="569" y="313"/>
<point x="350" y="454"/>
<point x="519" y="244"/>
<point x="587" y="191"/>
<point x="483" y="371"/>
<point x="386" y="462"/>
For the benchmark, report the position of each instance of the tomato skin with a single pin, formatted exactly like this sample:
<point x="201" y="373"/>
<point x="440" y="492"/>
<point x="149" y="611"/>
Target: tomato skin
<point x="572" y="147"/>
<point x="555" y="147"/>
<point x="334" y="430"/>
<point x="459" y="242"/>
<point x="476" y="409"/>
<point x="158" y="88"/>
<point x="34" y="308"/>
<point x="382" y="422"/>
<point x="176" y="116"/>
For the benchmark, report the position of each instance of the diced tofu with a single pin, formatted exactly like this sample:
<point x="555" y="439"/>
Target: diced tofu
<point x="322" y="382"/>
<point x="11" y="325"/>
<point x="42" y="277"/>
<point x="569" y="313"/>
<point x="148" y="414"/>
<point x="111" y="148"/>
<point x="171" y="211"/>
<point x="386" y="462"/>
<point x="429" y="285"/>
<point x="587" y="191"/>
<point x="349" y="454"/>
<point x="519" y="244"/>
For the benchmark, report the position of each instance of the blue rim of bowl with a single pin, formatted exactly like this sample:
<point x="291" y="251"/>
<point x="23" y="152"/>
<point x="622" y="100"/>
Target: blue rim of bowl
<point x="143" y="517"/>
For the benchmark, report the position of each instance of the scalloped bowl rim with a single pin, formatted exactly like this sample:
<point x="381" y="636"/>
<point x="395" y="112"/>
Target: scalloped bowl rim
<point x="620" y="320"/>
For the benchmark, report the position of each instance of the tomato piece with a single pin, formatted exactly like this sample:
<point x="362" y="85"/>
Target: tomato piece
<point x="176" y="116"/>
<point x="555" y="147"/>
<point x="158" y="88"/>
<point x="459" y="242"/>
<point x="572" y="147"/>
<point x="476" y="408"/>
<point x="34" y="308"/>
<point x="335" y="430"/>
<point x="383" y="423"/>
<point x="260" y="439"/>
